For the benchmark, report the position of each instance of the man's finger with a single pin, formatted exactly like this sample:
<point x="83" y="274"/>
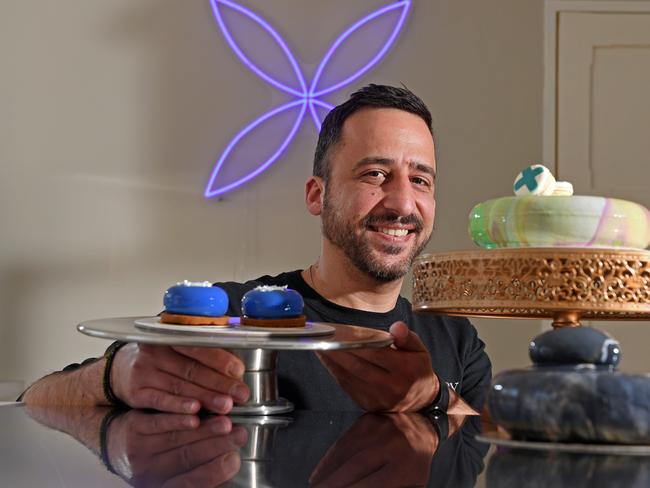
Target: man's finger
<point x="365" y="364"/>
<point x="192" y="371"/>
<point x="341" y="374"/>
<point x="177" y="387"/>
<point x="405" y="339"/>
<point x="218" y="359"/>
<point x="362" y="391"/>
<point x="165" y="402"/>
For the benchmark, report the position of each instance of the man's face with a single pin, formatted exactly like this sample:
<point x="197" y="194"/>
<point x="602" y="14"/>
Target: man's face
<point x="379" y="205"/>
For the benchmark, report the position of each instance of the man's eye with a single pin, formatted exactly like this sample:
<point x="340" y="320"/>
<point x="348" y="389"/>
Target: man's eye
<point x="375" y="174"/>
<point x="420" y="181"/>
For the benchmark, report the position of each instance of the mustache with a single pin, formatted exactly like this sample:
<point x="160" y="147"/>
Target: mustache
<point x="376" y="220"/>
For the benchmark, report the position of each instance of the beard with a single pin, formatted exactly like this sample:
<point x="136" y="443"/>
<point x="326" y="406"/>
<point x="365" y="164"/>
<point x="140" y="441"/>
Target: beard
<point x="343" y="234"/>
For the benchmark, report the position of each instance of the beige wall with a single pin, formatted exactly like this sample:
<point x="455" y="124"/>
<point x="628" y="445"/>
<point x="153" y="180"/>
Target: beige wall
<point x="112" y="112"/>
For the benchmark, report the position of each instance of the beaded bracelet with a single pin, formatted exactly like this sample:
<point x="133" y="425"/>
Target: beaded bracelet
<point x="109" y="355"/>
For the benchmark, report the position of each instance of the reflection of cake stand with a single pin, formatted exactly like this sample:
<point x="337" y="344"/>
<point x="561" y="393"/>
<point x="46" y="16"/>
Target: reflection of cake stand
<point x="258" y="351"/>
<point x="257" y="455"/>
<point x="560" y="399"/>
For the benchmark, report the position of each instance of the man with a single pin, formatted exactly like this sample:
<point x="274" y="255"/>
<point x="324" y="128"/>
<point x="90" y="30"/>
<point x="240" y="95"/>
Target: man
<point x="373" y="188"/>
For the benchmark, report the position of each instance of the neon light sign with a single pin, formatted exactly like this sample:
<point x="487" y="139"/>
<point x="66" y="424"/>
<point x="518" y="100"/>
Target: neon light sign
<point x="304" y="98"/>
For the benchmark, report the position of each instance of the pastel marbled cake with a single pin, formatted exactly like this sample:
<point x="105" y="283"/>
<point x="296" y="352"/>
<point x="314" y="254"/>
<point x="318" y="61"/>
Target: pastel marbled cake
<point x="560" y="221"/>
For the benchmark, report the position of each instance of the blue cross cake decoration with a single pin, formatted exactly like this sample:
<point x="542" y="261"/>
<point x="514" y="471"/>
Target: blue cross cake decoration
<point x="534" y="180"/>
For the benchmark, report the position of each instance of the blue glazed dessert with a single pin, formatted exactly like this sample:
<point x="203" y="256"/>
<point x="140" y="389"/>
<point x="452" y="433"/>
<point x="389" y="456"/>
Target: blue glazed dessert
<point x="273" y="306"/>
<point x="195" y="303"/>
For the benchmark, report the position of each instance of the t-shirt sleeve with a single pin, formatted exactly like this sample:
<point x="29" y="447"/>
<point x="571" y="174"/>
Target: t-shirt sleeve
<point x="477" y="370"/>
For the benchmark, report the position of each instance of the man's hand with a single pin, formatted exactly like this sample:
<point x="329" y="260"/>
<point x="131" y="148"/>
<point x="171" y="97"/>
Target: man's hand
<point x="168" y="450"/>
<point x="178" y="379"/>
<point x="393" y="379"/>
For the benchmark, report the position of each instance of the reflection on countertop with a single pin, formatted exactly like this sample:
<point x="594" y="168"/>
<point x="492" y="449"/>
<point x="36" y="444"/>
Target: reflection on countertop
<point x="83" y="446"/>
<point x="514" y="468"/>
<point x="79" y="447"/>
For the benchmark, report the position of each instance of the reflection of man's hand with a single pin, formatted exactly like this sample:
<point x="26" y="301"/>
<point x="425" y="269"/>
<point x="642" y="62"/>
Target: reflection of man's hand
<point x="174" y="450"/>
<point x="380" y="450"/>
<point x="392" y="379"/>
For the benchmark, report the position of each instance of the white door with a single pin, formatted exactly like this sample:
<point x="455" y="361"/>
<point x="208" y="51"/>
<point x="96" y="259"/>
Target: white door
<point x="602" y="138"/>
<point x="603" y="106"/>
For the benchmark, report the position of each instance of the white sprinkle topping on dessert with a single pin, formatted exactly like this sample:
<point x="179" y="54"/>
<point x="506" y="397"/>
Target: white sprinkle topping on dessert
<point x="202" y="284"/>
<point x="271" y="288"/>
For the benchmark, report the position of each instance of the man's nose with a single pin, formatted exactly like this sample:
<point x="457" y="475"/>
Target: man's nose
<point x="399" y="196"/>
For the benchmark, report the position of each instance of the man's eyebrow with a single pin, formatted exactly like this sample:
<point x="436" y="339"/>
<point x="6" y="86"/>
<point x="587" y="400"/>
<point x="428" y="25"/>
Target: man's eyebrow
<point x="424" y="168"/>
<point x="373" y="160"/>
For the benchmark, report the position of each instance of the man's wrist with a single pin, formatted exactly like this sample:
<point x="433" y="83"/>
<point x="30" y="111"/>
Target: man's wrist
<point x="436" y="411"/>
<point x="440" y="403"/>
<point x="107" y="388"/>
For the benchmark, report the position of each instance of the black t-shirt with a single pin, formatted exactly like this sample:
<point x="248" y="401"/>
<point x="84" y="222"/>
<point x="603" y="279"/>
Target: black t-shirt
<point x="457" y="354"/>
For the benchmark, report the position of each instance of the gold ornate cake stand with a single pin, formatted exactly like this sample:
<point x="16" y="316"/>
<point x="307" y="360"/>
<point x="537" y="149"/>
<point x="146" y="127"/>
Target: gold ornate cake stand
<point x="565" y="285"/>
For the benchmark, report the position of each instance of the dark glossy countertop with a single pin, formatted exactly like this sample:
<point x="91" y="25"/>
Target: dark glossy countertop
<point x="71" y="447"/>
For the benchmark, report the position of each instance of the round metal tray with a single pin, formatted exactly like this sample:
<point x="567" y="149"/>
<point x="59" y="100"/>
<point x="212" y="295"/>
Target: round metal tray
<point x="258" y="352"/>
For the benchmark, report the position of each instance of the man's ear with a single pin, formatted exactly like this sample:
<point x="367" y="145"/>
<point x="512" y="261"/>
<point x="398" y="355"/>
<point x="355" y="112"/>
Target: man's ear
<point x="314" y="193"/>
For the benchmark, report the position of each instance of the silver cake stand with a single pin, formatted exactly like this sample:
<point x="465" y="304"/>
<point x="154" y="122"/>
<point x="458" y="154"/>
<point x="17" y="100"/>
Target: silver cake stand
<point x="259" y="354"/>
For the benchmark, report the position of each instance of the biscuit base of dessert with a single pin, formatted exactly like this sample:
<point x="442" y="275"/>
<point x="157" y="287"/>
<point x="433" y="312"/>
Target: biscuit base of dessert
<point x="179" y="319"/>
<point x="274" y="323"/>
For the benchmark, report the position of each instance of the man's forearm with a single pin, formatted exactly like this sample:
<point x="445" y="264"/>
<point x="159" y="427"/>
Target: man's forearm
<point x="82" y="386"/>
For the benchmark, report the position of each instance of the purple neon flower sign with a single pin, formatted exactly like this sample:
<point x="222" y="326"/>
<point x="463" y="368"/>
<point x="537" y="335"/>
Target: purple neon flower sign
<point x="305" y="97"/>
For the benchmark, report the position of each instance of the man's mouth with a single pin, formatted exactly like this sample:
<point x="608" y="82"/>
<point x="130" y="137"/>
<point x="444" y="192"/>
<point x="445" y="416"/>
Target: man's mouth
<point x="392" y="232"/>
<point x="394" y="227"/>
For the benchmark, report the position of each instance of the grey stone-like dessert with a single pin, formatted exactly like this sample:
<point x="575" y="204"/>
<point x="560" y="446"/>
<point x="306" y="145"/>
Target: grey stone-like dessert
<point x="544" y="404"/>
<point x="573" y="393"/>
<point x="575" y="345"/>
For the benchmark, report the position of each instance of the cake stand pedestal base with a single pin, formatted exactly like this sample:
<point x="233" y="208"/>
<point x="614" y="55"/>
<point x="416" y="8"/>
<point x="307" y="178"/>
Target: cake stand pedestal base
<point x="261" y="378"/>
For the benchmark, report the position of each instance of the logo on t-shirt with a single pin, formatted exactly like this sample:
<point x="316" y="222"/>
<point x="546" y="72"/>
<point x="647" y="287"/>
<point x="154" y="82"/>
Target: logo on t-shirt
<point x="452" y="384"/>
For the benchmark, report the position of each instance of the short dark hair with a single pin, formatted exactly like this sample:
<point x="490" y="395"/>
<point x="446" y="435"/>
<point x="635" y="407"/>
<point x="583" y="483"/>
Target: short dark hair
<point x="371" y="96"/>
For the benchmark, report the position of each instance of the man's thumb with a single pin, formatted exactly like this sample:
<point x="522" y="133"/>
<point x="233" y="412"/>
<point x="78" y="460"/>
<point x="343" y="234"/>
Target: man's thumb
<point x="404" y="339"/>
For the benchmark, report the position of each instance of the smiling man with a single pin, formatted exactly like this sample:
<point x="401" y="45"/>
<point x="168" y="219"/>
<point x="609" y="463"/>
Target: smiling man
<point x="373" y="187"/>
<point x="377" y="201"/>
